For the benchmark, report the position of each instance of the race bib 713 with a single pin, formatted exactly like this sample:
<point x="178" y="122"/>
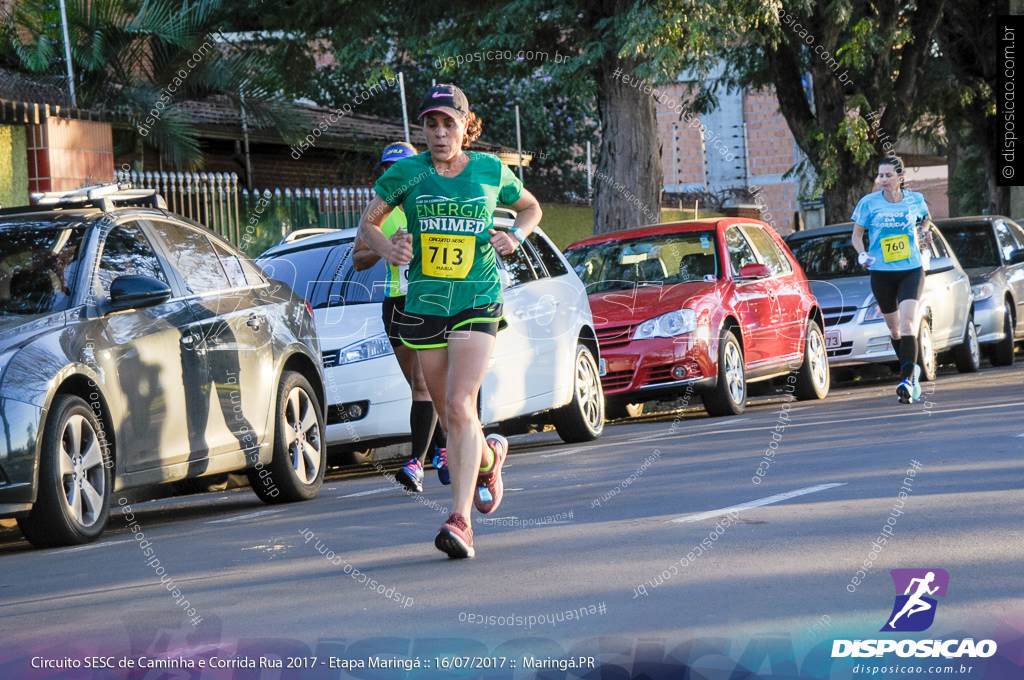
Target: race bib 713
<point x="447" y="256"/>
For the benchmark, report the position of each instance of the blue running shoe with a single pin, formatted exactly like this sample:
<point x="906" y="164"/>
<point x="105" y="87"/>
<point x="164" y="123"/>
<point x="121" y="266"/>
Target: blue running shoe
<point x="441" y="465"/>
<point x="411" y="476"/>
<point x="904" y="391"/>
<point x="915" y="392"/>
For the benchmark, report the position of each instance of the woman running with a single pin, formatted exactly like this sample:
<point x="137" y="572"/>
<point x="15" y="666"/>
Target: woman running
<point x="454" y="305"/>
<point x="897" y="224"/>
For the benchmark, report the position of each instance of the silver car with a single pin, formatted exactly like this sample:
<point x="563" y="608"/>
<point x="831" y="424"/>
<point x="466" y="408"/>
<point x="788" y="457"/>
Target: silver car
<point x="856" y="333"/>
<point x="991" y="250"/>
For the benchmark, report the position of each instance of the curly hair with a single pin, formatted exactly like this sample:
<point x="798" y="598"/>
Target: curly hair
<point x="474" y="126"/>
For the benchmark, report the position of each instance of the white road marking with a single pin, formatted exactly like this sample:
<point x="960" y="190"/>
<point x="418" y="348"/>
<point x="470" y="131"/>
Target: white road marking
<point x="249" y="516"/>
<point x="96" y="545"/>
<point x="777" y="498"/>
<point x="371" y="492"/>
<point x="560" y="453"/>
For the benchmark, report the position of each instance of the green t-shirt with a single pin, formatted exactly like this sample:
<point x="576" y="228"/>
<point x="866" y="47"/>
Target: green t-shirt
<point x="454" y="266"/>
<point x="397" y="277"/>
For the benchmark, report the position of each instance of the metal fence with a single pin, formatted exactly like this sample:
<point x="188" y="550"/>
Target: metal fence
<point x="254" y="220"/>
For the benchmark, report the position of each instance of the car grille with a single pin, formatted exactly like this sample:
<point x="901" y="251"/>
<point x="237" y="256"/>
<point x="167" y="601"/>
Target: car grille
<point x="660" y="374"/>
<point x="616" y="380"/>
<point x="838" y="315"/>
<point x="610" y="337"/>
<point x="841" y="351"/>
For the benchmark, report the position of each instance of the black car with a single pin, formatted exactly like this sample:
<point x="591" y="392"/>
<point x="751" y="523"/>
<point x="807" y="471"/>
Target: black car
<point x="137" y="348"/>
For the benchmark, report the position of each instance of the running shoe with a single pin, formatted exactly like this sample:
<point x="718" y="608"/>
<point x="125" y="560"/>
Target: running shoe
<point x="441" y="465"/>
<point x="411" y="475"/>
<point x="455" y="537"/>
<point x="905" y="391"/>
<point x="489" y="486"/>
<point x="915" y="393"/>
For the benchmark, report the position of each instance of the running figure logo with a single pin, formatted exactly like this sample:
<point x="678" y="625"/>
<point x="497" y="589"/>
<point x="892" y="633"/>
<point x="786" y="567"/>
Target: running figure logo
<point x="914" y="610"/>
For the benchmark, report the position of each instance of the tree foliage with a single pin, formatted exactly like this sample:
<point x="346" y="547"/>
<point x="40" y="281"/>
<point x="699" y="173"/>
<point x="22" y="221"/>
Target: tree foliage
<point x="127" y="55"/>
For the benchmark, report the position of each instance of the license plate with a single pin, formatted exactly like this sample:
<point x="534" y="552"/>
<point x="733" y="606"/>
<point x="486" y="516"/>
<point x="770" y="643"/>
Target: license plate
<point x="833" y="340"/>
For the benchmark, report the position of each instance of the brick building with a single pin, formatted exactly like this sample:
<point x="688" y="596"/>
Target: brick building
<point x="746" y="146"/>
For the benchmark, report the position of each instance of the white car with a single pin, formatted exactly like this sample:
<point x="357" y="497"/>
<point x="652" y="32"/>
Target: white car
<point x="544" y="368"/>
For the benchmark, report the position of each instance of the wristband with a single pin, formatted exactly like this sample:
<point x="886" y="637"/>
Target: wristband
<point x="518" y="233"/>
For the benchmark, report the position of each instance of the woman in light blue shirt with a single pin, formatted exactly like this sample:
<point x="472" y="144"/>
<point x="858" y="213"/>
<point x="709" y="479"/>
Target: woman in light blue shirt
<point x="897" y="223"/>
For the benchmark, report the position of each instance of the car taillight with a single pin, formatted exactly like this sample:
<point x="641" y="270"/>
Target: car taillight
<point x="309" y="307"/>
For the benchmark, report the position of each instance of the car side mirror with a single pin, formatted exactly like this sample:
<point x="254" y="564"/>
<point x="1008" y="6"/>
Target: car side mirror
<point x="937" y="265"/>
<point x="755" y="271"/>
<point x="1017" y="256"/>
<point x="135" y="292"/>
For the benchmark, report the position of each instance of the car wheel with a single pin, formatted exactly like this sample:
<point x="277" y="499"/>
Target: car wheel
<point x="1002" y="351"/>
<point x="968" y="354"/>
<point x="926" y="353"/>
<point x="296" y="472"/>
<point x="813" y="378"/>
<point x="729" y="397"/>
<point x="73" y="500"/>
<point x="582" y="419"/>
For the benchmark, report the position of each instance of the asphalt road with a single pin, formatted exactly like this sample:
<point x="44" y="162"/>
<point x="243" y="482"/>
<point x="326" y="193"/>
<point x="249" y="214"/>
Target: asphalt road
<point x="721" y="543"/>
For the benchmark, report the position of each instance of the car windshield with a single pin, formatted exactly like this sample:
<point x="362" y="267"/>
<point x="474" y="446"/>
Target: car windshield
<point x="828" y="256"/>
<point x="322" y="273"/>
<point x="659" y="259"/>
<point x="974" y="244"/>
<point x="38" y="263"/>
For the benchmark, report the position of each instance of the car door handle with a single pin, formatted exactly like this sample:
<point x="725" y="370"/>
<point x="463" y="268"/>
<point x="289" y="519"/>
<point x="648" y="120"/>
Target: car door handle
<point x="254" y="322"/>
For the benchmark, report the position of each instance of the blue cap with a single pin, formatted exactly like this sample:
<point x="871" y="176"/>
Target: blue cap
<point x="397" y="151"/>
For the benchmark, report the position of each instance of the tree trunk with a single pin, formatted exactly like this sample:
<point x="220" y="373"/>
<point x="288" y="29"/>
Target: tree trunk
<point x="851" y="185"/>
<point x="628" y="182"/>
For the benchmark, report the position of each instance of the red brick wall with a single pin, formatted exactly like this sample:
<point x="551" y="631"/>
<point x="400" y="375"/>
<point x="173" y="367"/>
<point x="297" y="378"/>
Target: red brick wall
<point x="688" y="152"/>
<point x="68" y="154"/>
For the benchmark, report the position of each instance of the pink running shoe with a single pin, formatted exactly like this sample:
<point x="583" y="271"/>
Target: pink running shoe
<point x="455" y="537"/>
<point x="489" y="486"/>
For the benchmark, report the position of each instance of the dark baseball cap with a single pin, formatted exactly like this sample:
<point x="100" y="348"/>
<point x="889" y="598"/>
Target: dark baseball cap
<point x="447" y="99"/>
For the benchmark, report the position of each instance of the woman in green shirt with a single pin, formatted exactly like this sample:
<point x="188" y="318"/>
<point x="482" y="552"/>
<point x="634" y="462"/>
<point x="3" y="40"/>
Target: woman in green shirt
<point x="422" y="419"/>
<point x="453" y="305"/>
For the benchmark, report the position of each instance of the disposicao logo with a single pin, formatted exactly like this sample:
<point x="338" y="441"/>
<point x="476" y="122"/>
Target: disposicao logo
<point x="914" y="611"/>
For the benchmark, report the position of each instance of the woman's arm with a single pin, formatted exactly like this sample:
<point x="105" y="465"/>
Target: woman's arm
<point x="528" y="214"/>
<point x="397" y="251"/>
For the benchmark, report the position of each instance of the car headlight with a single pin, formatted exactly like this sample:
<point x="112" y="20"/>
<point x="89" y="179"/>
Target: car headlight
<point x="983" y="291"/>
<point x="364" y="350"/>
<point x="874" y="312"/>
<point x="667" y="325"/>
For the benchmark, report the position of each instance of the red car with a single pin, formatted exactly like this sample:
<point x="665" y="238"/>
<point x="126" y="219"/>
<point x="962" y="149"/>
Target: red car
<point x="705" y="306"/>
